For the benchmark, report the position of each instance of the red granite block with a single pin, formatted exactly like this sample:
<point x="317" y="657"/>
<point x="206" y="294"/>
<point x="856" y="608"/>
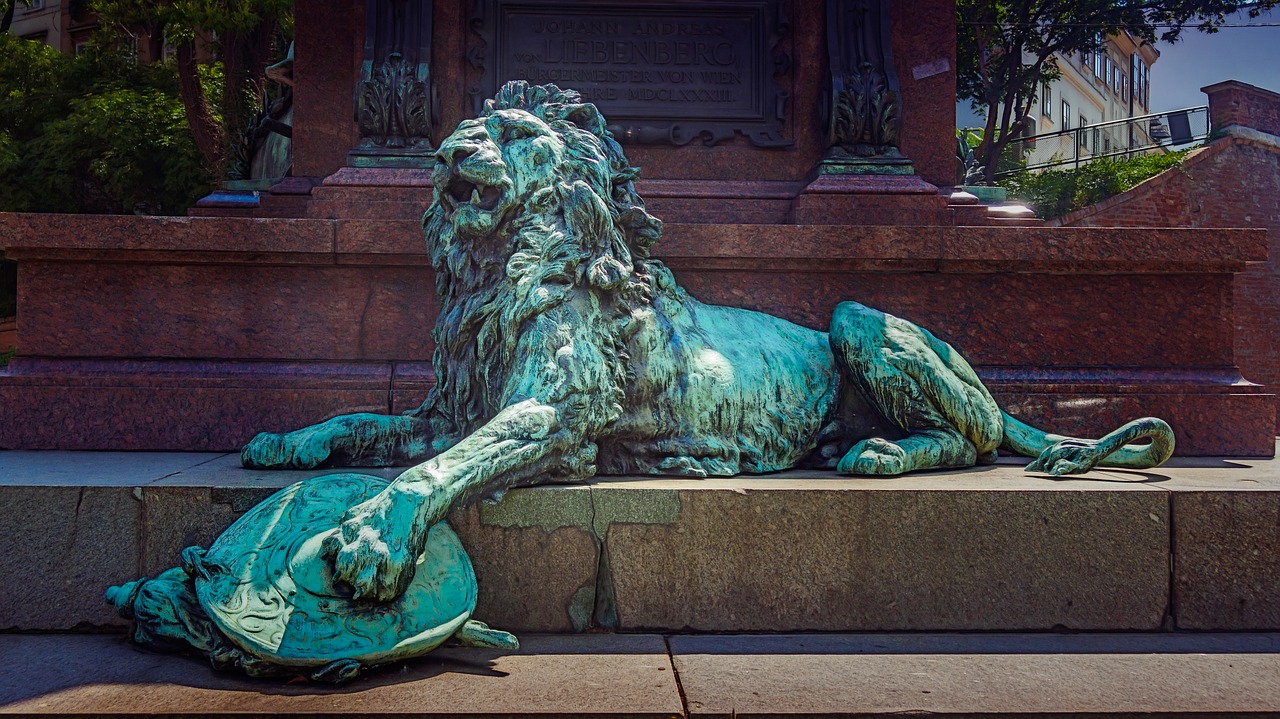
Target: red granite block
<point x="1207" y="421"/>
<point x="368" y="177"/>
<point x="924" y="50"/>
<point x="8" y="334"/>
<point x="718" y="201"/>
<point x="1000" y="249"/>
<point x="792" y="247"/>
<point x="706" y="210"/>
<point x="175" y="405"/>
<point x="1023" y="320"/>
<point x="183" y="234"/>
<point x="232" y="311"/>
<point x="327" y="54"/>
<point x="366" y="210"/>
<point x="368" y="239"/>
<point x="410" y="383"/>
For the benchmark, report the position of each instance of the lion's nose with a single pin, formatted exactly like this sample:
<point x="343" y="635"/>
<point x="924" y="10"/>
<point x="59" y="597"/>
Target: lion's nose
<point x="451" y="155"/>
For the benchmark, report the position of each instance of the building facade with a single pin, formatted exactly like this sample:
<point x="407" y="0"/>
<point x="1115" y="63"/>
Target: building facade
<point x="69" y="25"/>
<point x="64" y="24"/>
<point x="1112" y="83"/>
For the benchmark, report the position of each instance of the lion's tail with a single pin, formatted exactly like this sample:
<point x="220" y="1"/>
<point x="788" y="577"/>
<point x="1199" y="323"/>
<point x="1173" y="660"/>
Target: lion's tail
<point x="1057" y="454"/>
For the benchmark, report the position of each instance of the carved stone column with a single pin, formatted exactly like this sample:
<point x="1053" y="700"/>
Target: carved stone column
<point x="864" y="118"/>
<point x="395" y="100"/>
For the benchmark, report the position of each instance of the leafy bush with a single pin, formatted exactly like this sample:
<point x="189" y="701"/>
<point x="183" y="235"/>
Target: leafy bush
<point x="1053" y="193"/>
<point x="97" y="132"/>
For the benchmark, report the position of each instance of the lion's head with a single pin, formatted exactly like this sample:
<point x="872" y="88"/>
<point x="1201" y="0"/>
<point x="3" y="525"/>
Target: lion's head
<point x="536" y="153"/>
<point x="534" y="202"/>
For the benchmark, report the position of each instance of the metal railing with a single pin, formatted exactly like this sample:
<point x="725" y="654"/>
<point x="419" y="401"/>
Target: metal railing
<point x="1157" y="132"/>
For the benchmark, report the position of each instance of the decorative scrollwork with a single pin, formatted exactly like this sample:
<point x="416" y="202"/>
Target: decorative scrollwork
<point x="864" y="109"/>
<point x="394" y="109"/>
<point x="394" y="101"/>
<point x="867" y="114"/>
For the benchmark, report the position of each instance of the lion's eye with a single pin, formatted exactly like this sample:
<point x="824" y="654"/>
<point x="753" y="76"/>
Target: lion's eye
<point x="515" y="132"/>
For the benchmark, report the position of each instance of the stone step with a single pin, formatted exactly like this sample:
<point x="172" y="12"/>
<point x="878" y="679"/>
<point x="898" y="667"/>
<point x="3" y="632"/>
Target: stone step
<point x="646" y="675"/>
<point x="1193" y="545"/>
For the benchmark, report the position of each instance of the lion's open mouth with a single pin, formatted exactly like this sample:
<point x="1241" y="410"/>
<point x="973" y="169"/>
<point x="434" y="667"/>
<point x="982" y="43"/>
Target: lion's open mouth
<point x="485" y="197"/>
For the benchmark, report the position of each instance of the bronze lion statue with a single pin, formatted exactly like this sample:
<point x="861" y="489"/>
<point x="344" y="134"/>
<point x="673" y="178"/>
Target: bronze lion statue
<point x="564" y="350"/>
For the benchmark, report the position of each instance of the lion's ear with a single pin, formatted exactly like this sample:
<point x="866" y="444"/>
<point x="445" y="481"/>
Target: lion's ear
<point x="586" y="117"/>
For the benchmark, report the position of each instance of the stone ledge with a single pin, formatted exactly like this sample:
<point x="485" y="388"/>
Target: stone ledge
<point x="828" y="248"/>
<point x="987" y="549"/>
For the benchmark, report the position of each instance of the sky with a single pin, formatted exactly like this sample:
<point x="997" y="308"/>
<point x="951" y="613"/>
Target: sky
<point x="1248" y="54"/>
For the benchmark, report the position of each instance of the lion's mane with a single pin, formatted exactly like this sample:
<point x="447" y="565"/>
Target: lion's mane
<point x="587" y="230"/>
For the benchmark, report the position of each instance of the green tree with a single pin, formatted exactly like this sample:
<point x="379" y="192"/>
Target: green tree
<point x="1005" y="48"/>
<point x="93" y="133"/>
<point x="244" y="34"/>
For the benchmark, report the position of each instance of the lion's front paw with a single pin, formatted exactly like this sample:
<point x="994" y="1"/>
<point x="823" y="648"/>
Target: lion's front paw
<point x="874" y="456"/>
<point x="304" y="449"/>
<point x="368" y="557"/>
<point x="1072" y="456"/>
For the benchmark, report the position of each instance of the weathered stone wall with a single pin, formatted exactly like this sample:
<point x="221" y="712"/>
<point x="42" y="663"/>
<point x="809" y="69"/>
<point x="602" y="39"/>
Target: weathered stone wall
<point x="1234" y="182"/>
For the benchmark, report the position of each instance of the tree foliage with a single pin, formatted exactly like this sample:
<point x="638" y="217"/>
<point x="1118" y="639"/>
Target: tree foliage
<point x="1053" y="193"/>
<point x="245" y="36"/>
<point x="1005" y="48"/>
<point x="92" y="133"/>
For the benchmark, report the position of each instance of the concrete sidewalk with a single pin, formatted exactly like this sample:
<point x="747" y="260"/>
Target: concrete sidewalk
<point x="645" y="675"/>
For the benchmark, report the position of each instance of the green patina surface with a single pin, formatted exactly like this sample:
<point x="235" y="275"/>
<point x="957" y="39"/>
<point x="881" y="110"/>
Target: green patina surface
<point x="565" y="350"/>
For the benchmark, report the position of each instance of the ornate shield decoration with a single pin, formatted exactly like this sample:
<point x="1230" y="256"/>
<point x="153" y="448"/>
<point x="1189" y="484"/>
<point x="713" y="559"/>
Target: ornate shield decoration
<point x="265" y="585"/>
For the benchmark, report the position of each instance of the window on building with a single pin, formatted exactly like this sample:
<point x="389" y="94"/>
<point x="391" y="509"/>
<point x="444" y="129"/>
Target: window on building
<point x="1124" y="87"/>
<point x="1082" y="135"/>
<point x="1141" y="82"/>
<point x="1046" y="101"/>
<point x="1066" y="115"/>
<point x="1106" y="69"/>
<point x="1106" y="144"/>
<point x="35" y="5"/>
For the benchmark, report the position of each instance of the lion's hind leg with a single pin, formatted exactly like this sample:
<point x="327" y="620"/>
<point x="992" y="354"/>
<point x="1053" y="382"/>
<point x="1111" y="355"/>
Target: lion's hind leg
<point x="349" y="440"/>
<point x="922" y="386"/>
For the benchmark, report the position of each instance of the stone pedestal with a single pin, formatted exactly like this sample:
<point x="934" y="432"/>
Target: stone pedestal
<point x="870" y="199"/>
<point x="195" y="333"/>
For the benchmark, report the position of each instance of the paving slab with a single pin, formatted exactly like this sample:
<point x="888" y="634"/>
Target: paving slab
<point x="550" y="676"/>
<point x="979" y="675"/>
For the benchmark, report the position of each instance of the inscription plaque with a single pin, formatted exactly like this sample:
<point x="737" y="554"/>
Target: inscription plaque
<point x="662" y="72"/>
